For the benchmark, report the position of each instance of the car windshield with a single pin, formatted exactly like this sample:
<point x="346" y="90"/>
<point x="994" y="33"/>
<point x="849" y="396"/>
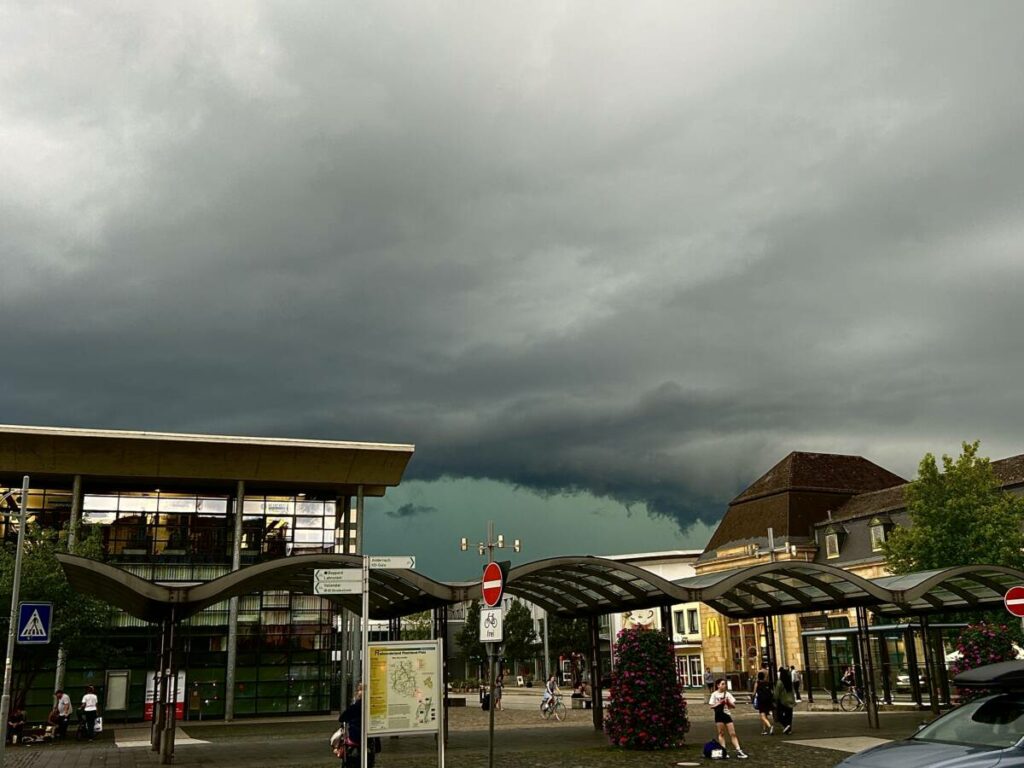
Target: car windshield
<point x="993" y="721"/>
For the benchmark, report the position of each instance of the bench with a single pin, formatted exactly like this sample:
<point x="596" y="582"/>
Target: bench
<point x="582" y="702"/>
<point x="456" y="701"/>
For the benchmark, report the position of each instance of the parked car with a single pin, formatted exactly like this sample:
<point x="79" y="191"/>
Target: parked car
<point x="903" y="683"/>
<point x="979" y="734"/>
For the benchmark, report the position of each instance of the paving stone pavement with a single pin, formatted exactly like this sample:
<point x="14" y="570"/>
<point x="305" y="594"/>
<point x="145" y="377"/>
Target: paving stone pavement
<point x="522" y="740"/>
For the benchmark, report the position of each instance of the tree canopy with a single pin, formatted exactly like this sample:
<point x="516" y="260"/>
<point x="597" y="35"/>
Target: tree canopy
<point x="958" y="516"/>
<point x="520" y="640"/>
<point x="78" y="623"/>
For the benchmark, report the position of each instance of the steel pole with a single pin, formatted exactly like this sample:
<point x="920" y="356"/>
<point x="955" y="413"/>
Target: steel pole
<point x="5" y="700"/>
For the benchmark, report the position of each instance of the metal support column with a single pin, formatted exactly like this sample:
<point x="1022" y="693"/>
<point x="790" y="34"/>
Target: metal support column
<point x="867" y="677"/>
<point x="170" y="702"/>
<point x="833" y="676"/>
<point x="596" y="697"/>
<point x="910" y="643"/>
<point x="886" y="669"/>
<point x="808" y="672"/>
<point x="236" y="563"/>
<point x="356" y="637"/>
<point x="770" y="651"/>
<point x="76" y="515"/>
<point x="157" y="728"/>
<point x="929" y="666"/>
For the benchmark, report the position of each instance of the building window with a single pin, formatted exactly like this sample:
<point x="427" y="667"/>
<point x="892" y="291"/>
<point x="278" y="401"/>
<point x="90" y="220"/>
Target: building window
<point x="879" y="527"/>
<point x="831" y="545"/>
<point x="680" y="622"/>
<point x="694" y="621"/>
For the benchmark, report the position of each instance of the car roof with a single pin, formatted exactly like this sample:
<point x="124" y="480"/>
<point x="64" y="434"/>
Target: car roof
<point x="1004" y="675"/>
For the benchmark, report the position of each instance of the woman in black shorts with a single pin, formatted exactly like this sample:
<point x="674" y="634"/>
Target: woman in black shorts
<point x="722" y="702"/>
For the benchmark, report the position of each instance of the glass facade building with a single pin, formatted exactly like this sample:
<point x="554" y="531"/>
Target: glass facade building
<point x="175" y="529"/>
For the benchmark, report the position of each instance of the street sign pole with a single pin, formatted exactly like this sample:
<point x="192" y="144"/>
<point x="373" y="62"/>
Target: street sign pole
<point x="490" y="652"/>
<point x="364" y="741"/>
<point x="5" y="700"/>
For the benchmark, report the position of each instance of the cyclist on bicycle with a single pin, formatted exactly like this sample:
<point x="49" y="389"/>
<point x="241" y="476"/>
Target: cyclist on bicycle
<point x="550" y="692"/>
<point x="849" y="682"/>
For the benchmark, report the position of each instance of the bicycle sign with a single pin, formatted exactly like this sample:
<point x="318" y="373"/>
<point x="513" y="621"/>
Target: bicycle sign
<point x="490" y="625"/>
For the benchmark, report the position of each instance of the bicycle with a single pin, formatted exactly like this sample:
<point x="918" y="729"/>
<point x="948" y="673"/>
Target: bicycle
<point x="853" y="700"/>
<point x="553" y="707"/>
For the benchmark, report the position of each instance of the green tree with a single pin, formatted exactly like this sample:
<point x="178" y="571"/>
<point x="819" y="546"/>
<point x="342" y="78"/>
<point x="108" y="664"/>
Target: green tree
<point x="520" y="639"/>
<point x="958" y="516"/>
<point x="647" y="708"/>
<point x="417" y="626"/>
<point x="78" y="623"/>
<point x="471" y="650"/>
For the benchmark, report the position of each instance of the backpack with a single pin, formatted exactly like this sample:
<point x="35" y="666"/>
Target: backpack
<point x="715" y="751"/>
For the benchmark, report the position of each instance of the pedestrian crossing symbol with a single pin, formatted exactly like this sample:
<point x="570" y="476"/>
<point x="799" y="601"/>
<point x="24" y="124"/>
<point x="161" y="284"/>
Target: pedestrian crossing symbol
<point x="34" y="623"/>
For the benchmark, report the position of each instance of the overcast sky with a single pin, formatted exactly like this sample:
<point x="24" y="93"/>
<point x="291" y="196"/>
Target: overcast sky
<point x="603" y="263"/>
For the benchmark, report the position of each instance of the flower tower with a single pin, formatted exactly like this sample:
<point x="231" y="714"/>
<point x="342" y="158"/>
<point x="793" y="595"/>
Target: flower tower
<point x="980" y="644"/>
<point x="647" y="708"/>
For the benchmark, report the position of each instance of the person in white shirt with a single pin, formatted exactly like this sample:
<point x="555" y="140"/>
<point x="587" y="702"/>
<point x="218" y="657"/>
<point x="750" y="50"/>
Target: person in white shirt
<point x="721" y="702"/>
<point x="63" y="711"/>
<point x="90" y="705"/>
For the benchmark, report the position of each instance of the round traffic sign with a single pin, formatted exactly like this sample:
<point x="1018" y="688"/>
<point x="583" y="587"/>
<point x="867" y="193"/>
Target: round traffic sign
<point x="1014" y="601"/>
<point x="493" y="585"/>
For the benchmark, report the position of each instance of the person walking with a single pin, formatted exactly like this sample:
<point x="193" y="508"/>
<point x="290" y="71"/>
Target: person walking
<point x="784" y="700"/>
<point x="499" y="684"/>
<point x="722" y="702"/>
<point x="764" y="703"/>
<point x="709" y="680"/>
<point x="90" y="705"/>
<point x="797" y="678"/>
<point x="63" y="712"/>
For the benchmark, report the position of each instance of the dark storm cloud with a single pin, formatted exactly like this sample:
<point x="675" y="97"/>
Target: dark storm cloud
<point x="640" y="252"/>
<point x="411" y="510"/>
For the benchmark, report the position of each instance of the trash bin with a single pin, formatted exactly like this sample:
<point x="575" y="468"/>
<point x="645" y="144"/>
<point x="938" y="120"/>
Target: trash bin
<point x="485" y="701"/>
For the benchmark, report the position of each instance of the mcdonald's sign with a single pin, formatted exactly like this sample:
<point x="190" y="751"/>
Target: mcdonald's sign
<point x="713" y="627"/>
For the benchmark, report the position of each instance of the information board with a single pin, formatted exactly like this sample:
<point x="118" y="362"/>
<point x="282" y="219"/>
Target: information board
<point x="406" y="692"/>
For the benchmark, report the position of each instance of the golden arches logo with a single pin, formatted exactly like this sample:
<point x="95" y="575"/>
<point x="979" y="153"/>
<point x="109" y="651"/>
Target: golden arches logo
<point x="713" y="627"/>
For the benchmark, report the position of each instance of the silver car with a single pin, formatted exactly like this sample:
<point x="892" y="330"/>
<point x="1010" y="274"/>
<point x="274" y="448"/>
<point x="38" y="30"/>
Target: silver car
<point x="982" y="733"/>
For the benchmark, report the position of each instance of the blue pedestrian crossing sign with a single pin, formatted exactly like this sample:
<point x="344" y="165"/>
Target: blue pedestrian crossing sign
<point x="34" y="623"/>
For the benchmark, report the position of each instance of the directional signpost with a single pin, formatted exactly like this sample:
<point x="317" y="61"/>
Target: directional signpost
<point x="337" y="581"/>
<point x="1014" y="601"/>
<point x="392" y="562"/>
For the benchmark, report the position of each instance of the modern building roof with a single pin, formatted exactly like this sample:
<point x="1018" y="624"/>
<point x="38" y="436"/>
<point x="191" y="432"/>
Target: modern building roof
<point x="212" y="461"/>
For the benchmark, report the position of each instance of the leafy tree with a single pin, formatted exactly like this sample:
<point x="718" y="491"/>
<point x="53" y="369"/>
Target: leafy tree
<point x="417" y="626"/>
<point x="471" y="650"/>
<point x="520" y="639"/>
<point x="647" y="708"/>
<point x="78" y="623"/>
<point x="959" y="516"/>
<point x="569" y="639"/>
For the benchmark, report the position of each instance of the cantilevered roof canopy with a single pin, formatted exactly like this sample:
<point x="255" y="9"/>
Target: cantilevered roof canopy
<point x="586" y="586"/>
<point x="392" y="592"/>
<point x="790" y="586"/>
<point x="961" y="588"/>
<point x="571" y="586"/>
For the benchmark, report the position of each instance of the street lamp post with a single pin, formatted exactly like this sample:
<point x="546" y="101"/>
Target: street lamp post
<point x="489" y="546"/>
<point x="5" y="700"/>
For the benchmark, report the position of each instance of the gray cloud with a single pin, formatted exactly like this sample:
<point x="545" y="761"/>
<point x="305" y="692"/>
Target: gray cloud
<point x="641" y="252"/>
<point x="411" y="510"/>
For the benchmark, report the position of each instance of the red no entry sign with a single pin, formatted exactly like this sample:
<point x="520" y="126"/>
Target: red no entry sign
<point x="493" y="585"/>
<point x="1015" y="601"/>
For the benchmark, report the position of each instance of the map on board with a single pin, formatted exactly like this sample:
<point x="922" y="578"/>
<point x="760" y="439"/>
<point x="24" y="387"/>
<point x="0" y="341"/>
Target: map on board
<point x="404" y="693"/>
